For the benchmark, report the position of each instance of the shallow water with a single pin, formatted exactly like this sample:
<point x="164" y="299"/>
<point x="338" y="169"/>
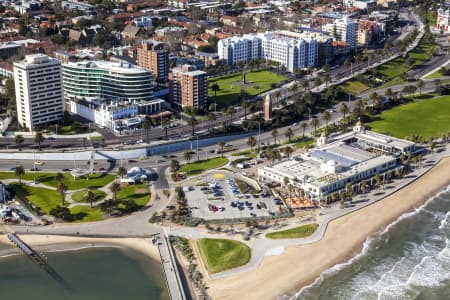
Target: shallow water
<point x="93" y="273"/>
<point x="409" y="260"/>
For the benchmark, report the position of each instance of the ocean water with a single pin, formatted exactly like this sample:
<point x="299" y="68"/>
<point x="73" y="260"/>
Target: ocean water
<point x="88" y="274"/>
<point x="410" y="259"/>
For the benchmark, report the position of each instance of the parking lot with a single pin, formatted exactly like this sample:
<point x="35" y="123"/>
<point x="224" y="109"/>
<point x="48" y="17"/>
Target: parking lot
<point x="220" y="198"/>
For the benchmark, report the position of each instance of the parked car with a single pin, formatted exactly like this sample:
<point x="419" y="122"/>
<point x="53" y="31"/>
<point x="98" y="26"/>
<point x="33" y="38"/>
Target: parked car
<point x="132" y="161"/>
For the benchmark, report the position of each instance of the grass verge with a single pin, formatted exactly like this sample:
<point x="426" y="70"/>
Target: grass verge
<point x="294" y="233"/>
<point x="198" y="167"/>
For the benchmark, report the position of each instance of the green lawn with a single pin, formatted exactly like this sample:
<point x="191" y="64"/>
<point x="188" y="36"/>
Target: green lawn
<point x="139" y="193"/>
<point x="86" y="214"/>
<point x="43" y="198"/>
<point x="79" y="196"/>
<point x="304" y="143"/>
<point x="230" y="92"/>
<point x="435" y="75"/>
<point x="294" y="233"/>
<point x="94" y="181"/>
<point x="428" y="118"/>
<point x="198" y="167"/>
<point x="354" y="87"/>
<point x="221" y="254"/>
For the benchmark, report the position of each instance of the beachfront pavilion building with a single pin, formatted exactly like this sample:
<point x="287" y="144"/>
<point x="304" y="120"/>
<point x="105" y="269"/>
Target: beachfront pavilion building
<point x="298" y="52"/>
<point x="350" y="158"/>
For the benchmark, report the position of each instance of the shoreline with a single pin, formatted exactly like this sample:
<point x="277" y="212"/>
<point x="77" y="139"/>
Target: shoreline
<point x="340" y="244"/>
<point x="61" y="243"/>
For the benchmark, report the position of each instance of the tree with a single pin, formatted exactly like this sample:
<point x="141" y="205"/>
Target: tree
<point x="19" y="141"/>
<point x="192" y="121"/>
<point x="147" y="125"/>
<point x="62" y="189"/>
<point x="174" y="165"/>
<point x="187" y="155"/>
<point x="420" y="85"/>
<point x="437" y="84"/>
<point x="289" y="134"/>
<point x="114" y="188"/>
<point x="230" y="112"/>
<point x="215" y="88"/>
<point x="251" y="141"/>
<point x="59" y="177"/>
<point x="342" y="199"/>
<point x="347" y="63"/>
<point x="89" y="197"/>
<point x="305" y="84"/>
<point x="343" y="110"/>
<point x="19" y="171"/>
<point x="288" y="150"/>
<point x="121" y="171"/>
<point x="38" y="139"/>
<point x="431" y="145"/>
<point x="326" y="117"/>
<point x="165" y="124"/>
<point x="315" y="123"/>
<point x="275" y="135"/>
<point x="304" y="125"/>
<point x="245" y="105"/>
<point x="221" y="145"/>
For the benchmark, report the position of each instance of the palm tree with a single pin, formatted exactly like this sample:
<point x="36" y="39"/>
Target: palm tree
<point x="62" y="189"/>
<point x="342" y="199"/>
<point x="165" y="123"/>
<point x="231" y="111"/>
<point x="343" y="110"/>
<point x="245" y="105"/>
<point x="147" y="125"/>
<point x="275" y="135"/>
<point x="251" y="141"/>
<point x="277" y="95"/>
<point x="59" y="177"/>
<point x="289" y="134"/>
<point x="174" y="165"/>
<point x="38" y="139"/>
<point x="437" y="84"/>
<point x="114" y="188"/>
<point x="420" y="85"/>
<point x="288" y="150"/>
<point x="348" y="63"/>
<point x="326" y="117"/>
<point x="19" y="141"/>
<point x="19" y="172"/>
<point x="305" y="84"/>
<point x="121" y="171"/>
<point x="221" y="145"/>
<point x="215" y="88"/>
<point x="315" y="123"/>
<point x="192" y="121"/>
<point x="89" y="197"/>
<point x="304" y="125"/>
<point x="187" y="155"/>
<point x="431" y="145"/>
<point x="363" y="187"/>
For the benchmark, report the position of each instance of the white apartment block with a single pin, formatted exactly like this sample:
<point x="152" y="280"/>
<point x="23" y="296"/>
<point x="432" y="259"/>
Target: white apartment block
<point x="293" y="53"/>
<point x="346" y="30"/>
<point x="39" y="92"/>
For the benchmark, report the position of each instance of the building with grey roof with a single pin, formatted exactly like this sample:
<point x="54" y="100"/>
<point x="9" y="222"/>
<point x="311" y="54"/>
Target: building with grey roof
<point x="347" y="159"/>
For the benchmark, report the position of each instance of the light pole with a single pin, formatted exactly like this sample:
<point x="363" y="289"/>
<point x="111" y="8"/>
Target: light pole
<point x="197" y="149"/>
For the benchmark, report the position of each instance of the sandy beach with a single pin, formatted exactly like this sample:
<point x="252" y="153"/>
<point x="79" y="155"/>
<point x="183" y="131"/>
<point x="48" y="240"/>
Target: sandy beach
<point x="65" y="243"/>
<point x="301" y="265"/>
